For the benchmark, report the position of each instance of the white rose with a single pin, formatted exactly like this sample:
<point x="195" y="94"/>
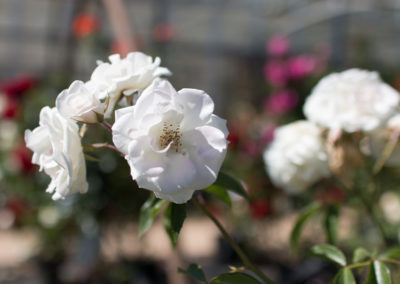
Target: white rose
<point x="3" y="104"/>
<point x="79" y="102"/>
<point x="57" y="149"/>
<point x="173" y="142"/>
<point x="297" y="157"/>
<point x="8" y="134"/>
<point x="351" y="100"/>
<point x="389" y="203"/>
<point x="125" y="76"/>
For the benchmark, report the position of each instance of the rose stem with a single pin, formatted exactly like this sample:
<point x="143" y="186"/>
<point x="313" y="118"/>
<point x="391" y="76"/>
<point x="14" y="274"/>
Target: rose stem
<point x="236" y="248"/>
<point x="106" y="125"/>
<point x="109" y="146"/>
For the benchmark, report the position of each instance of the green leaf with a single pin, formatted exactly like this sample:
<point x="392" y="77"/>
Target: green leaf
<point x="345" y="276"/>
<point x="220" y="192"/>
<point x="382" y="273"/>
<point x="329" y="252"/>
<point x="304" y="216"/>
<point x="370" y="275"/>
<point x="378" y="273"/>
<point x="227" y="181"/>
<point x="331" y="223"/>
<point x="195" y="271"/>
<point x="391" y="253"/>
<point x="148" y="213"/>
<point x="361" y="254"/>
<point x="235" y="278"/>
<point x="173" y="220"/>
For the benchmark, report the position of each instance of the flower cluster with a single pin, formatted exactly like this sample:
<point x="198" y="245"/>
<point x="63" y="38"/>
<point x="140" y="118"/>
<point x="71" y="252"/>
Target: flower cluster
<point x="172" y="141"/>
<point x="356" y="103"/>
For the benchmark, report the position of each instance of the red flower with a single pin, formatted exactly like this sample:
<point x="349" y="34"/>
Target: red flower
<point x="163" y="32"/>
<point x="84" y="25"/>
<point x="16" y="86"/>
<point x="260" y="208"/>
<point x="22" y="157"/>
<point x="11" y="109"/>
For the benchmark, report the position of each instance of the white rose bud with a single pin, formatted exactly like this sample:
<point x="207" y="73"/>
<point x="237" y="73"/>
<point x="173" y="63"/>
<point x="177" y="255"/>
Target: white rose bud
<point x="57" y="149"/>
<point x="124" y="76"/>
<point x="173" y="142"/>
<point x="352" y="100"/>
<point x="79" y="102"/>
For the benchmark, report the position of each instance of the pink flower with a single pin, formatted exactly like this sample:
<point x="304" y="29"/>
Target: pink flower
<point x="281" y="102"/>
<point x="275" y="72"/>
<point x="267" y="133"/>
<point x="301" y="66"/>
<point x="277" y="46"/>
<point x="253" y="148"/>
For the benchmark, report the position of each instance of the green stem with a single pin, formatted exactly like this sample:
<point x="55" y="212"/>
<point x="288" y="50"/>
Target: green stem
<point x="357" y="265"/>
<point x="395" y="261"/>
<point x="371" y="210"/>
<point x="246" y="261"/>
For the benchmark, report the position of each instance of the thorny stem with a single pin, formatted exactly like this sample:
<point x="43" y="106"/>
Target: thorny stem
<point x="246" y="261"/>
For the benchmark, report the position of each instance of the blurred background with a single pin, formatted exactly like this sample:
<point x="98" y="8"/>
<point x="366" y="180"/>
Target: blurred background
<point x="258" y="59"/>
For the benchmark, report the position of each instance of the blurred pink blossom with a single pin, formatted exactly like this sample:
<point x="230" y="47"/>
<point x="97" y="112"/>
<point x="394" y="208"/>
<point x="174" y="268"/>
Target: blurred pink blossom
<point x="252" y="148"/>
<point x="267" y="133"/>
<point x="277" y="46"/>
<point x="275" y="72"/>
<point x="281" y="102"/>
<point x="301" y="66"/>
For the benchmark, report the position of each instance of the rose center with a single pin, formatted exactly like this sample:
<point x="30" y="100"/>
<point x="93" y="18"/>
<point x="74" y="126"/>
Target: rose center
<point x="170" y="133"/>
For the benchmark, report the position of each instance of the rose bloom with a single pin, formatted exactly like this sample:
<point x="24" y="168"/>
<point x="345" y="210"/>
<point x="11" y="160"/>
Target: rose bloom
<point x="79" y="102"/>
<point x="278" y="46"/>
<point x="352" y="100"/>
<point x="9" y="133"/>
<point x="296" y="158"/>
<point x="173" y="142"/>
<point x="84" y="25"/>
<point x="281" y="102"/>
<point x="57" y="149"/>
<point x="275" y="73"/>
<point x="125" y="76"/>
<point x="301" y="66"/>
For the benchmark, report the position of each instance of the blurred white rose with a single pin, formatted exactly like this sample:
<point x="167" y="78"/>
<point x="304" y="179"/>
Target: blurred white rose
<point x="351" y="100"/>
<point x="3" y="103"/>
<point x="49" y="216"/>
<point x="8" y="134"/>
<point x="79" y="102"/>
<point x="173" y="142"/>
<point x="57" y="149"/>
<point x="297" y="157"/>
<point x="390" y="206"/>
<point x="124" y="76"/>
